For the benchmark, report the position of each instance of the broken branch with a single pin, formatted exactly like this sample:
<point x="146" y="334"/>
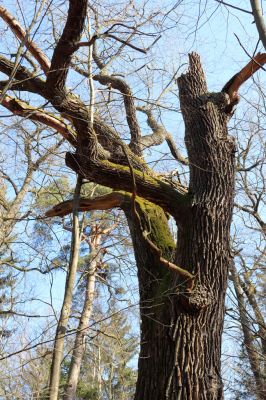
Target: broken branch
<point x="233" y="85"/>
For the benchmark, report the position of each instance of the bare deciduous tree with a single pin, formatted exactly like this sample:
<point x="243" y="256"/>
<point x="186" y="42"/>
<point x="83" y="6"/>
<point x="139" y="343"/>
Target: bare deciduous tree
<point x="182" y="285"/>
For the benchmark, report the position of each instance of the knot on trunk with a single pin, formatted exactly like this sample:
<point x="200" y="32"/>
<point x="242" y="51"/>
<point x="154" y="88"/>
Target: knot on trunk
<point x="219" y="99"/>
<point x="198" y="299"/>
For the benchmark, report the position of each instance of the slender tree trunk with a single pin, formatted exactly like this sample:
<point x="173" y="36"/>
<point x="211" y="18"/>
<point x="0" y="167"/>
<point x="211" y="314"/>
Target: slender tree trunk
<point x="254" y="355"/>
<point x="259" y="20"/>
<point x="180" y="331"/>
<point x="99" y="373"/>
<point x="80" y="345"/>
<point x="67" y="302"/>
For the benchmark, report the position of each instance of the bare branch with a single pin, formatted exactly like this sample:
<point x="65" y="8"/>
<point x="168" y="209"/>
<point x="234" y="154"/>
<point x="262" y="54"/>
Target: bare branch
<point x="10" y="180"/>
<point x="21" y="35"/>
<point x="18" y="107"/>
<point x="130" y="108"/>
<point x="66" y="46"/>
<point x="111" y="36"/>
<point x="106" y="202"/>
<point x="232" y="6"/>
<point x="232" y="86"/>
<point x="259" y="20"/>
<point x="255" y="215"/>
<point x="25" y="80"/>
<point x="158" y="136"/>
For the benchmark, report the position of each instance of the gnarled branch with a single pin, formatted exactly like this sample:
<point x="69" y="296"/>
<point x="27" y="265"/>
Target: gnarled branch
<point x="130" y="108"/>
<point x="66" y="46"/>
<point x="158" y="136"/>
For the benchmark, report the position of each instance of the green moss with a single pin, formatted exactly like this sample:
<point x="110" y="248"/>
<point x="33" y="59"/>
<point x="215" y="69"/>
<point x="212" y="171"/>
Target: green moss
<point x="147" y="176"/>
<point x="157" y="223"/>
<point x="154" y="221"/>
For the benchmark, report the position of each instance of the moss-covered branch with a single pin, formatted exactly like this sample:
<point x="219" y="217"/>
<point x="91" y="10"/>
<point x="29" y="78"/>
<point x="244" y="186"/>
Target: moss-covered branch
<point x="174" y="200"/>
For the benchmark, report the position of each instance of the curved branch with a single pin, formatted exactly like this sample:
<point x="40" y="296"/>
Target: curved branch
<point x="130" y="108"/>
<point x="232" y="86"/>
<point x="107" y="137"/>
<point x="67" y="45"/>
<point x="111" y="36"/>
<point x="158" y="136"/>
<point x="21" y="35"/>
<point x="112" y="142"/>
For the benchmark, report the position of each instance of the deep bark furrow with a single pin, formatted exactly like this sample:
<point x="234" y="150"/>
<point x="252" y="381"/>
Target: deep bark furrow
<point x="189" y="330"/>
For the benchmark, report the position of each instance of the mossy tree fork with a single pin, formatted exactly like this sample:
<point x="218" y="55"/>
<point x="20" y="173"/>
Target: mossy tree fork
<point x="181" y="324"/>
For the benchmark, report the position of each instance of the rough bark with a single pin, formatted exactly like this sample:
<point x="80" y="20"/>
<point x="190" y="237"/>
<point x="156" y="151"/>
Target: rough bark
<point x="180" y="332"/>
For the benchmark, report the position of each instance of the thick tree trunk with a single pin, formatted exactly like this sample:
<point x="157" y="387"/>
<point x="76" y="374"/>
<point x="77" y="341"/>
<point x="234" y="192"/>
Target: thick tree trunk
<point x="181" y="331"/>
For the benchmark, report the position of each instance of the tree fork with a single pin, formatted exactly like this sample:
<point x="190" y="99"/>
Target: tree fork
<point x="180" y="349"/>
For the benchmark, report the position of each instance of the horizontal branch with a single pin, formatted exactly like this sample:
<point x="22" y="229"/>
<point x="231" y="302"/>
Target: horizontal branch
<point x="149" y="187"/>
<point x="111" y="36"/>
<point x="25" y="79"/>
<point x="232" y="6"/>
<point x="106" y="202"/>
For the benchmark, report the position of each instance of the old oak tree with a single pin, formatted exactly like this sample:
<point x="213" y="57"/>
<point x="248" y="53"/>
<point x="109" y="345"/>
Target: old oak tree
<point x="181" y="285"/>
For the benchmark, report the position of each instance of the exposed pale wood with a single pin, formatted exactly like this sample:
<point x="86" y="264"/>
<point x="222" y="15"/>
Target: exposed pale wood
<point x="233" y="85"/>
<point x="105" y="202"/>
<point x="18" y="107"/>
<point x="21" y="35"/>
